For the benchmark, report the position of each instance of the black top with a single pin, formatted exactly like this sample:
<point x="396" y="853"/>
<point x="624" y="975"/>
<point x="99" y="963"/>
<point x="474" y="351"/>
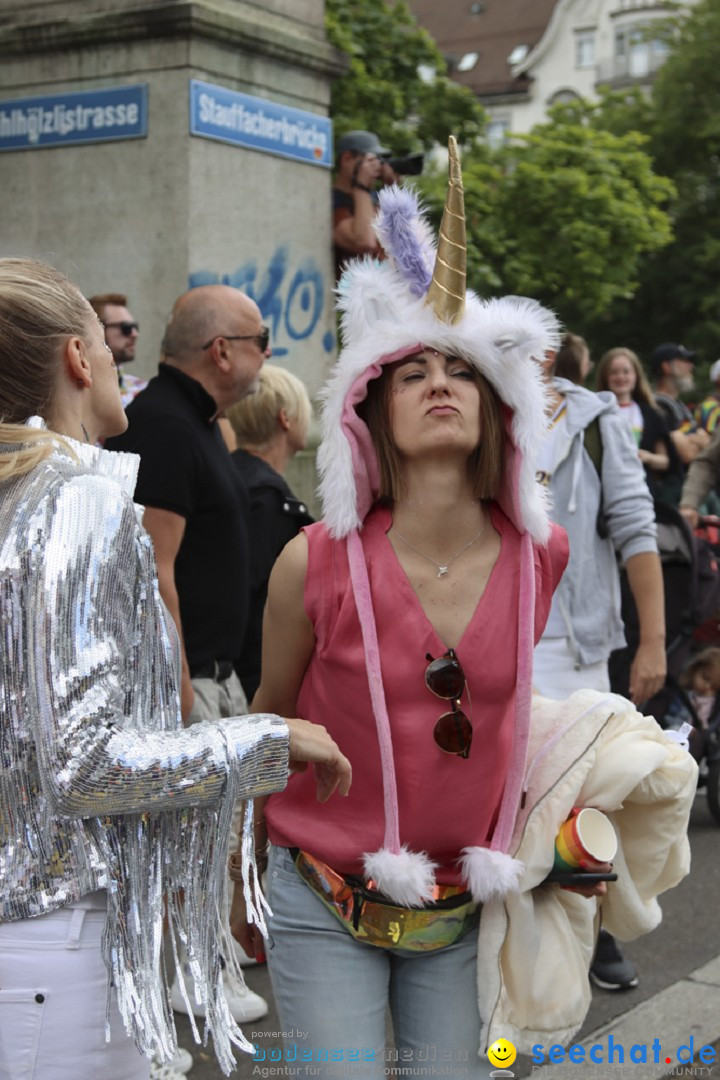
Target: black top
<point x="185" y="467"/>
<point x="276" y="516"/>
<point x="673" y="414"/>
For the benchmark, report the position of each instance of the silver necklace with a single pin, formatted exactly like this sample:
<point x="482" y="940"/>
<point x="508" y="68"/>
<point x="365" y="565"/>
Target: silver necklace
<point x="442" y="568"/>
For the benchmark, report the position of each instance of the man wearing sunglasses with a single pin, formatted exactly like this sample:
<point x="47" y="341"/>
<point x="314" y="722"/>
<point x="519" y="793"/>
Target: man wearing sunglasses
<point x="121" y="334"/>
<point x="196" y="505"/>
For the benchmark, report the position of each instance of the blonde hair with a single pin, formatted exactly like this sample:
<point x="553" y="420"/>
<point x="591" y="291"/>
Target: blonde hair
<point x="641" y="391"/>
<point x="39" y="309"/>
<point x="254" y="418"/>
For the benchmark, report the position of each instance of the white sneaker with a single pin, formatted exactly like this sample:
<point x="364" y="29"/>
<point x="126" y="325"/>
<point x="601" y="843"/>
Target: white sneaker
<point x="164" y="1072"/>
<point x="244" y="1004"/>
<point x="182" y="1062"/>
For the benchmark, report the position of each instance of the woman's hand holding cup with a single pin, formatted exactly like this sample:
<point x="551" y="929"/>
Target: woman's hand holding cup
<point x="585" y="843"/>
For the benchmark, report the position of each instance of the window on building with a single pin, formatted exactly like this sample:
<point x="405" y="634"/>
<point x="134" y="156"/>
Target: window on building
<point x="638" y="51"/>
<point x="497" y="131"/>
<point x="638" y="56"/>
<point x="585" y="48"/>
<point x="468" y="61"/>
<point x="563" y="97"/>
<point x="518" y="55"/>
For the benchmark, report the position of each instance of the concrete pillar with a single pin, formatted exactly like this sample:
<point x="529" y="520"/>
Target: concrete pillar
<point x="150" y="216"/>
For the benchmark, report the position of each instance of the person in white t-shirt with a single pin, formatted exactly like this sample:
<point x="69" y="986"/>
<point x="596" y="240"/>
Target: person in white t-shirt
<point x="621" y="372"/>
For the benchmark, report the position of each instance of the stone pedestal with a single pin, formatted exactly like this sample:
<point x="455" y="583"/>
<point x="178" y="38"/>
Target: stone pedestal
<point x="151" y="216"/>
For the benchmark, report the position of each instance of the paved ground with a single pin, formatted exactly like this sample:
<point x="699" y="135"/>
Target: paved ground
<point x="678" y="996"/>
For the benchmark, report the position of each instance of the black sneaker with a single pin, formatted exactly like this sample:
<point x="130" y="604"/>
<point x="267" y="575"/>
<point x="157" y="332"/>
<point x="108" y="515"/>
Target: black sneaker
<point x="610" y="970"/>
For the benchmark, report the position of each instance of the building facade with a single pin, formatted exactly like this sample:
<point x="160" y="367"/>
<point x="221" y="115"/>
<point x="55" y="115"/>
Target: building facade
<point x="522" y="56"/>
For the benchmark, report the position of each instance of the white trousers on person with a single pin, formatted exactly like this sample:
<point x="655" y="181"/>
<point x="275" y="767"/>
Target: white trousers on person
<point x="53" y="993"/>
<point x="555" y="674"/>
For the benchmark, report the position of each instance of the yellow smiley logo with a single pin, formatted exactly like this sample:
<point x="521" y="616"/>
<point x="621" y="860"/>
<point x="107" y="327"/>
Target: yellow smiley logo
<point x="502" y="1053"/>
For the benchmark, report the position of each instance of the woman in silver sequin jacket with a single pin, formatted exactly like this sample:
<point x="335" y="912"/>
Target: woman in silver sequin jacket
<point x="108" y="807"/>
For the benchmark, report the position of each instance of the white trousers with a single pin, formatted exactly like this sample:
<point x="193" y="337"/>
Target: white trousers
<point x="555" y="675"/>
<point x="53" y="992"/>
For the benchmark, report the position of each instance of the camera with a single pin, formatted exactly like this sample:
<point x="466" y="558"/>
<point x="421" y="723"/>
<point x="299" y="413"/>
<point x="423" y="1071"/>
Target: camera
<point x="410" y="165"/>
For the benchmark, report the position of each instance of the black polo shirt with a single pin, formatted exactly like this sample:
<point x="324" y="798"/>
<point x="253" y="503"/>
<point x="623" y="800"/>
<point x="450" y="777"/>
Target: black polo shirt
<point x="185" y="467"/>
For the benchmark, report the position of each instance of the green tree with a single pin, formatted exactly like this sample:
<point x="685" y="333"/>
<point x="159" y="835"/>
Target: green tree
<point x="382" y="90"/>
<point x="564" y="214"/>
<point x="678" y="296"/>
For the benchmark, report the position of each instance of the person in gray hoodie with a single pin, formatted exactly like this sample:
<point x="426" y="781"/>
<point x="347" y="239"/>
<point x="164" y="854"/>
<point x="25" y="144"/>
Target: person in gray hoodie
<point x="600" y="497"/>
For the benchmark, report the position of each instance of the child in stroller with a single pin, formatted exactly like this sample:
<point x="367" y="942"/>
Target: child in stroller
<point x="697" y="702"/>
<point x="692" y="600"/>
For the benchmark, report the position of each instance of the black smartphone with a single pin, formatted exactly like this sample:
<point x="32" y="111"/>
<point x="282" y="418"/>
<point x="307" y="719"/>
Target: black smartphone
<point x="581" y="877"/>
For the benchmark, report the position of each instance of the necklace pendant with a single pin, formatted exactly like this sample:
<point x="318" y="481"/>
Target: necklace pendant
<point x="442" y="571"/>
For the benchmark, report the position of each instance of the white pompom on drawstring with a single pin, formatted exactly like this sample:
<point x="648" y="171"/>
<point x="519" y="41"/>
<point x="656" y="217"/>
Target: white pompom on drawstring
<point x="490" y="875"/>
<point x="407" y="878"/>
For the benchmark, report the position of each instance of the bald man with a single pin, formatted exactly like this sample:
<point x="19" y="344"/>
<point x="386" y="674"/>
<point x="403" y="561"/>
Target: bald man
<point x="214" y="346"/>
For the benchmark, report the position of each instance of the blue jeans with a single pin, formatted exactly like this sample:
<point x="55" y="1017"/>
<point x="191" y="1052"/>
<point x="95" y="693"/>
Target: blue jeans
<point x="333" y="992"/>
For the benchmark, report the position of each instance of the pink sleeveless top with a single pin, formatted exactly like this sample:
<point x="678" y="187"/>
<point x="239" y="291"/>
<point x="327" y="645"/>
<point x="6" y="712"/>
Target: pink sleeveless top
<point x="445" y="803"/>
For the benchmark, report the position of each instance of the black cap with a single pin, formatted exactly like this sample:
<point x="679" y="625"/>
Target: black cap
<point x="668" y="352"/>
<point x="361" y="142"/>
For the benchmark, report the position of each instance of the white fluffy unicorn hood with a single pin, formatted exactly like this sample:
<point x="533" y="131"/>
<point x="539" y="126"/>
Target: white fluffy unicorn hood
<point x="417" y="299"/>
<point x="390" y="310"/>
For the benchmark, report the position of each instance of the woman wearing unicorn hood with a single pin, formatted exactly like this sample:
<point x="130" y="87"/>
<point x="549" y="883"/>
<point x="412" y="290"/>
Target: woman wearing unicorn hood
<point x="405" y="622"/>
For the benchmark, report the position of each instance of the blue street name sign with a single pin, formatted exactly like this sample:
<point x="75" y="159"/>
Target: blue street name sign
<point x="257" y="124"/>
<point x="86" y="116"/>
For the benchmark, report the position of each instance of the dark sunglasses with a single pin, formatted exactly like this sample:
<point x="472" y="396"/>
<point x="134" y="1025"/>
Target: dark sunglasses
<point x="263" y="338"/>
<point x="126" y="328"/>
<point x="445" y="678"/>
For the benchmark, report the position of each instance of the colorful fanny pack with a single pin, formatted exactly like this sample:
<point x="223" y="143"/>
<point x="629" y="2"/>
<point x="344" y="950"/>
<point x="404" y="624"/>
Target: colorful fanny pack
<point x="374" y="919"/>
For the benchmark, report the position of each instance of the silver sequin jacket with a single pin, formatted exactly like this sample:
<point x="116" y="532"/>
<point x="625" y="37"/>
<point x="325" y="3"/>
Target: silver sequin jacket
<point x="100" y="786"/>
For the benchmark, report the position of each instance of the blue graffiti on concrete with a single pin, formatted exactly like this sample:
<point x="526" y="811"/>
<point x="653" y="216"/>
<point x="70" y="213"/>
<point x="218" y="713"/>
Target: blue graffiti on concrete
<point x="292" y="305"/>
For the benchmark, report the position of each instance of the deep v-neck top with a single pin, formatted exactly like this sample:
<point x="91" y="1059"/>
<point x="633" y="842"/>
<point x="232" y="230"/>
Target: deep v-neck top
<point x="445" y="803"/>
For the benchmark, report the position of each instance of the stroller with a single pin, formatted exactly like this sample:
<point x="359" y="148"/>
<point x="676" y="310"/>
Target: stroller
<point x="691" y="577"/>
<point x="704" y="742"/>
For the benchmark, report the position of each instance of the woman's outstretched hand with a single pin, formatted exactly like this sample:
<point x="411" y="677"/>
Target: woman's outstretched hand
<point x="311" y="744"/>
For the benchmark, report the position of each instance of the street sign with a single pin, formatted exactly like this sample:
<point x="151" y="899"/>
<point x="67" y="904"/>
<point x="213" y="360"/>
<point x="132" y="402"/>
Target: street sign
<point x="69" y="119"/>
<point x="257" y="124"/>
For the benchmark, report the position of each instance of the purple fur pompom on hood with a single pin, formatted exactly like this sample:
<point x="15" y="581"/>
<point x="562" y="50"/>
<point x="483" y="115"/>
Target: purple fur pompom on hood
<point x="405" y="236"/>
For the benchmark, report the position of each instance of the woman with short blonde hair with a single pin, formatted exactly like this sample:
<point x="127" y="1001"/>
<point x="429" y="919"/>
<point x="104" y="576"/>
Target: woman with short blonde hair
<point x="255" y="418"/>
<point x="270" y="427"/>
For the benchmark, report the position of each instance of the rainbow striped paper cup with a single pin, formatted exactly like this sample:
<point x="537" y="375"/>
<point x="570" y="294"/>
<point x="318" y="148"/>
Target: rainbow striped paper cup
<point x="587" y="835"/>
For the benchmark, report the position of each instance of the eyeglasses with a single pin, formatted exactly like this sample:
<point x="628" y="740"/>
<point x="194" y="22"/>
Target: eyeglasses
<point x="125" y="328"/>
<point x="445" y="678"/>
<point x="263" y="338"/>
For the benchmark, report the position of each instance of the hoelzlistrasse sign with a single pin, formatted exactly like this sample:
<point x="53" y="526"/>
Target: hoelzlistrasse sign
<point x="69" y="119"/>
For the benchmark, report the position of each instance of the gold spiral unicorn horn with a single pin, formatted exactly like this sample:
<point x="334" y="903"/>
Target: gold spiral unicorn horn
<point x="447" y="289"/>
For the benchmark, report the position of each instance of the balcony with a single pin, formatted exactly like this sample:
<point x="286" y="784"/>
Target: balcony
<point x="640" y="66"/>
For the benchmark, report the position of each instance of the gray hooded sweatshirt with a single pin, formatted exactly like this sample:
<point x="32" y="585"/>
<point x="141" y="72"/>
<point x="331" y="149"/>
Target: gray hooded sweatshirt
<point x="588" y="596"/>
